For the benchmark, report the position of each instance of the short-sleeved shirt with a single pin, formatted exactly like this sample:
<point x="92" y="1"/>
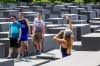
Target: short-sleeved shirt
<point x="14" y="27"/>
<point x="38" y="25"/>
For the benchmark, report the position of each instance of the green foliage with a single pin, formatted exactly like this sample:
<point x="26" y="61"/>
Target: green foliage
<point x="78" y="1"/>
<point x="41" y="1"/>
<point x="86" y="1"/>
<point x="6" y="1"/>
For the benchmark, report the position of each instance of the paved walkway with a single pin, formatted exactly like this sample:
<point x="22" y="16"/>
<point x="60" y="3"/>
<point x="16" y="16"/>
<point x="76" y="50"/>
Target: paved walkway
<point x="78" y="58"/>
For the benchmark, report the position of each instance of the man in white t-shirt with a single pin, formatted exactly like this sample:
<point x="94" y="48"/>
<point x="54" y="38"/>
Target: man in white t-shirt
<point x="38" y="33"/>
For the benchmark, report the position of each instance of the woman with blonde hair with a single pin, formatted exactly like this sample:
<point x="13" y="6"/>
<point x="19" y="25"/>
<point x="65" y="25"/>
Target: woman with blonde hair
<point x="67" y="41"/>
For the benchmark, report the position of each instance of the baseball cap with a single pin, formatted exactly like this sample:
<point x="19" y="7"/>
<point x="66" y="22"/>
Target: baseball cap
<point x="68" y="32"/>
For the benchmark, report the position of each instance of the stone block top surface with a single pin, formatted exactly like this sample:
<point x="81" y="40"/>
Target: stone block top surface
<point x="3" y="60"/>
<point x="92" y="35"/>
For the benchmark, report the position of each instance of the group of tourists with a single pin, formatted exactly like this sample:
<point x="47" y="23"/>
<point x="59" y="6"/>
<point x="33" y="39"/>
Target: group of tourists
<point x="19" y="31"/>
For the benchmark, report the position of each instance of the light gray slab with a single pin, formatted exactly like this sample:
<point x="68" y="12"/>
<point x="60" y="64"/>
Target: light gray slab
<point x="2" y="50"/>
<point x="4" y="19"/>
<point x="4" y="34"/>
<point x="4" y="26"/>
<point x="6" y="62"/>
<point x="72" y="16"/>
<point x="82" y="29"/>
<point x="78" y="58"/>
<point x="56" y="30"/>
<point x="90" y="14"/>
<point x="57" y="20"/>
<point x="79" y="22"/>
<point x="32" y="62"/>
<point x="94" y="28"/>
<point x="90" y="42"/>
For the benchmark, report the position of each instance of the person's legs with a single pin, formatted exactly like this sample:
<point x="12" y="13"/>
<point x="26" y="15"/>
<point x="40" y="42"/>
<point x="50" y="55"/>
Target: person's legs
<point x="34" y="40"/>
<point x="26" y="48"/>
<point x="18" y="49"/>
<point x="40" y="47"/>
<point x="39" y="41"/>
<point x="18" y="52"/>
<point x="10" y="52"/>
<point x="36" y="45"/>
<point x="22" y="48"/>
<point x="11" y="47"/>
<point x="26" y="45"/>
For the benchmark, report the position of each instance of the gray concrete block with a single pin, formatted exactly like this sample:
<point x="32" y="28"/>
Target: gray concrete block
<point x="87" y="59"/>
<point x="64" y="12"/>
<point x="29" y="62"/>
<point x="27" y="13"/>
<point x="6" y="62"/>
<point x="1" y="14"/>
<point x="57" y="20"/>
<point x="51" y="55"/>
<point x="97" y="6"/>
<point x="79" y="10"/>
<point x="5" y="5"/>
<point x="72" y="16"/>
<point x="58" y="7"/>
<point x="56" y="30"/>
<point x="7" y="44"/>
<point x="51" y="16"/>
<point x="5" y="20"/>
<point x="90" y="14"/>
<point x="46" y="56"/>
<point x="19" y="9"/>
<point x="14" y="53"/>
<point x="1" y="5"/>
<point x="82" y="17"/>
<point x="48" y="43"/>
<point x="97" y="12"/>
<point x="4" y="26"/>
<point x="2" y="50"/>
<point x="4" y="34"/>
<point x="96" y="23"/>
<point x="9" y="5"/>
<point x="78" y="3"/>
<point x="82" y="29"/>
<point x="69" y="11"/>
<point x="90" y="42"/>
<point x="36" y="7"/>
<point x="25" y="8"/>
<point x="98" y="19"/>
<point x="44" y="11"/>
<point x="8" y="13"/>
<point x="94" y="28"/>
<point x="77" y="46"/>
<point x="72" y="7"/>
<point x="68" y="4"/>
<point x="21" y="3"/>
<point x="79" y="22"/>
<point x="30" y="17"/>
<point x="98" y="31"/>
<point x="12" y="5"/>
<point x="52" y="26"/>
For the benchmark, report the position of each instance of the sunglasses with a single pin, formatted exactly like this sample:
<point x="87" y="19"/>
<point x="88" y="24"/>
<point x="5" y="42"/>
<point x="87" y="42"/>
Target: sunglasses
<point x="12" y="18"/>
<point x="20" y="15"/>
